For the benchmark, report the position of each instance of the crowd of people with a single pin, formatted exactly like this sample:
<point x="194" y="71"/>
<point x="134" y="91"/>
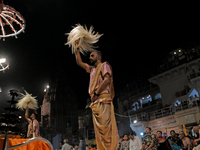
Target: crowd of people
<point x="158" y="141"/>
<point x="176" y="141"/>
<point x="81" y="146"/>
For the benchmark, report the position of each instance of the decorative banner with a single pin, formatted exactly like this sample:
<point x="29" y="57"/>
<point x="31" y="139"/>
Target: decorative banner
<point x="166" y="122"/>
<point x="161" y="120"/>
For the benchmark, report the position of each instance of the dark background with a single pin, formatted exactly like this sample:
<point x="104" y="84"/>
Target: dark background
<point x="136" y="37"/>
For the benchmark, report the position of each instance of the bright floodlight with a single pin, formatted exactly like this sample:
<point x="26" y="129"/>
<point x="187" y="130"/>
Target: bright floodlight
<point x="11" y="22"/>
<point x="2" y="60"/>
<point x="4" y="64"/>
<point x="141" y="133"/>
<point x="135" y="121"/>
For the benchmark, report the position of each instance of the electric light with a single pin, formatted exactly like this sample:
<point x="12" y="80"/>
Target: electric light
<point x="135" y="121"/>
<point x="4" y="64"/>
<point x="2" y="60"/>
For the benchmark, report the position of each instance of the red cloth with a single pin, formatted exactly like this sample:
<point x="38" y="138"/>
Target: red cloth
<point x="36" y="145"/>
<point x="158" y="139"/>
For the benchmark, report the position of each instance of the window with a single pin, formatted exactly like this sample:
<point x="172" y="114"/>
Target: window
<point x="135" y="106"/>
<point x="193" y="93"/>
<point x="177" y="103"/>
<point x="146" y="99"/>
<point x="158" y="96"/>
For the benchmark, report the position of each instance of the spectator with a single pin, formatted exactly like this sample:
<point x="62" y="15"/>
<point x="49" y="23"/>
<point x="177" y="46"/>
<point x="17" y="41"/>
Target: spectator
<point x="87" y="148"/>
<point x="60" y="145"/>
<point x="196" y="98"/>
<point x="73" y="147"/>
<point x="135" y="142"/>
<point x="162" y="143"/>
<point x="174" y="141"/>
<point x="196" y="136"/>
<point x="185" y="140"/>
<point x="66" y="146"/>
<point x="148" y="142"/>
<point x="76" y="147"/>
<point x="120" y="141"/>
<point x="190" y="103"/>
<point x="125" y="142"/>
<point x="93" y="147"/>
<point x="82" y="144"/>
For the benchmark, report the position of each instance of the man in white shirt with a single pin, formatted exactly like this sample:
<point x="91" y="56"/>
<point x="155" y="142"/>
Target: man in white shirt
<point x="66" y="146"/>
<point x="135" y="142"/>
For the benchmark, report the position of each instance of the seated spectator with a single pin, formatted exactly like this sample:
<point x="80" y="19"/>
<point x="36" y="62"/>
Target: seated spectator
<point x="149" y="142"/>
<point x="162" y="143"/>
<point x="135" y="142"/>
<point x="174" y="141"/>
<point x="196" y="136"/>
<point x="125" y="142"/>
<point x="185" y="140"/>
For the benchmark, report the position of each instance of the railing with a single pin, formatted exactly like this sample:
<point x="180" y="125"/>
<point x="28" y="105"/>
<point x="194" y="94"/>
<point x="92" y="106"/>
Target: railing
<point x="193" y="75"/>
<point x="167" y="111"/>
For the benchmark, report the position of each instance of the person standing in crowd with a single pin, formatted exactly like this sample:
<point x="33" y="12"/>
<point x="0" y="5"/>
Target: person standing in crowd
<point x="148" y="142"/>
<point x="120" y="141"/>
<point x="60" y="145"/>
<point x="135" y="142"/>
<point x="174" y="141"/>
<point x="87" y="148"/>
<point x="66" y="146"/>
<point x="93" y="147"/>
<point x="162" y="143"/>
<point x="125" y="143"/>
<point x="196" y="136"/>
<point x="185" y="140"/>
<point x="82" y="144"/>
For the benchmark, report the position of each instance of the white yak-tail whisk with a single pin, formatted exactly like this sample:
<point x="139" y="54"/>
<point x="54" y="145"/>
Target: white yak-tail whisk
<point x="86" y="38"/>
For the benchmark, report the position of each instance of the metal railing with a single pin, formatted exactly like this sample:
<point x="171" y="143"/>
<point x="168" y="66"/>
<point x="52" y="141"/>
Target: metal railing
<point x="164" y="112"/>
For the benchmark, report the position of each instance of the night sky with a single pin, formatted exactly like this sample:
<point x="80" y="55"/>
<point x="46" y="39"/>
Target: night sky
<point x="135" y="36"/>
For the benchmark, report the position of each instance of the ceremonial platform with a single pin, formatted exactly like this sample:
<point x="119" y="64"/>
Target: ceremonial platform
<point x="35" y="145"/>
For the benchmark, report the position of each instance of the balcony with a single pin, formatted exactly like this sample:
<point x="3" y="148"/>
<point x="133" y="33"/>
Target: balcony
<point x="167" y="111"/>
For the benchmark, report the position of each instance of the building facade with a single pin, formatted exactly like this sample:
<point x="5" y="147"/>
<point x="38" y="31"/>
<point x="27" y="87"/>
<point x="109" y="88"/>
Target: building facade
<point x="59" y="114"/>
<point x="168" y="101"/>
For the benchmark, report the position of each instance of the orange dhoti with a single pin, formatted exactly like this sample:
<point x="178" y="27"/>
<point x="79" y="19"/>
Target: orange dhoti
<point x="105" y="126"/>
